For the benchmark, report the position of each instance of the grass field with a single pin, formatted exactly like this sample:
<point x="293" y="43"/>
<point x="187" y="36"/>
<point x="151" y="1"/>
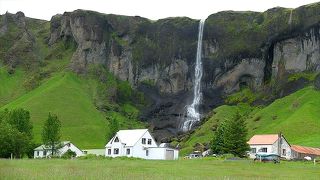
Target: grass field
<point x="145" y="169"/>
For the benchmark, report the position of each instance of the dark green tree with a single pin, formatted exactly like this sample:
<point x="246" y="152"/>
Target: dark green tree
<point x="20" y="119"/>
<point x="217" y="144"/>
<point x="15" y="132"/>
<point x="231" y="137"/>
<point x="51" y="132"/>
<point x="113" y="127"/>
<point x="235" y="136"/>
<point x="12" y="141"/>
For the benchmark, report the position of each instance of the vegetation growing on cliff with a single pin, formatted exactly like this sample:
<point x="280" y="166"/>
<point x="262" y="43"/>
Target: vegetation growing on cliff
<point x="245" y="34"/>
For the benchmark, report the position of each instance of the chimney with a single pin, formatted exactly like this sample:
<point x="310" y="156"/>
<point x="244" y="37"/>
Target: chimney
<point x="279" y="143"/>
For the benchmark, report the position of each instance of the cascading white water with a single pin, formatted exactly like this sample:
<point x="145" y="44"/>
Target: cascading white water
<point x="193" y="114"/>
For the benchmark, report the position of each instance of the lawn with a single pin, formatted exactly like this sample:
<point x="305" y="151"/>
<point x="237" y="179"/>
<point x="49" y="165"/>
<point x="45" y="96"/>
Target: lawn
<point x="146" y="169"/>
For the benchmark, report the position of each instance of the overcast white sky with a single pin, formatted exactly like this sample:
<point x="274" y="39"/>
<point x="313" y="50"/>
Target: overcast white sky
<point x="152" y="9"/>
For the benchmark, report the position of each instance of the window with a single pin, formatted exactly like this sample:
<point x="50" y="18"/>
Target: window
<point x="263" y="150"/>
<point x="284" y="153"/>
<point x="253" y="150"/>
<point x="128" y="151"/>
<point x="143" y="140"/>
<point x="37" y="153"/>
<point x="147" y="152"/>
<point x="149" y="141"/>
<point x="116" y="139"/>
<point x="44" y="153"/>
<point x="109" y="151"/>
<point x="115" y="151"/>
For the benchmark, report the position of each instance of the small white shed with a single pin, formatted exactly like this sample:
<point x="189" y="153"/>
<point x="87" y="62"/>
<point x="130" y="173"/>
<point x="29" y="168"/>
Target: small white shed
<point x="138" y="143"/>
<point x="45" y="151"/>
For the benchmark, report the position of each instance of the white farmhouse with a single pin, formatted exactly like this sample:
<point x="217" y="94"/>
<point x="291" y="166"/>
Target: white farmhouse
<point x="45" y="151"/>
<point x="138" y="143"/>
<point x="269" y="144"/>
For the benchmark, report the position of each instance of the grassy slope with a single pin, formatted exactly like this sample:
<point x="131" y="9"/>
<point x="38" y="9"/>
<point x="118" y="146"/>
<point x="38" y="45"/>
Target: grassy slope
<point x="65" y="95"/>
<point x="11" y="86"/>
<point x="297" y="116"/>
<point x="147" y="169"/>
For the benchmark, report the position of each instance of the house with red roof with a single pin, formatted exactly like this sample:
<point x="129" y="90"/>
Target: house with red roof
<point x="269" y="144"/>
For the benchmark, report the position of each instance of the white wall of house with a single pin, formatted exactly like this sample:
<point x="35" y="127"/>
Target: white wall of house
<point x="258" y="148"/>
<point x="285" y="149"/>
<point x="115" y="145"/>
<point x="163" y="153"/>
<point x="38" y="154"/>
<point x="42" y="153"/>
<point x="140" y="150"/>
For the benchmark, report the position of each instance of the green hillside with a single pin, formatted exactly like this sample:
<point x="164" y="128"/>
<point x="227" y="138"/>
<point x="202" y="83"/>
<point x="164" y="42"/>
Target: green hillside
<point x="296" y="116"/>
<point x="70" y="97"/>
<point x="11" y="86"/>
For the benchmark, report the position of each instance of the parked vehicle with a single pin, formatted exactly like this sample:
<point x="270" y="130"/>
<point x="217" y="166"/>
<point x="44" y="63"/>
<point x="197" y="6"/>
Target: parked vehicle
<point x="193" y="155"/>
<point x="267" y="158"/>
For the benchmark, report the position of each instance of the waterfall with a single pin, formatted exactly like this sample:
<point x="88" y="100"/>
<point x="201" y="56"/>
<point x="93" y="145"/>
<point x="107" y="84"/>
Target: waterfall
<point x="193" y="114"/>
<point x="290" y="18"/>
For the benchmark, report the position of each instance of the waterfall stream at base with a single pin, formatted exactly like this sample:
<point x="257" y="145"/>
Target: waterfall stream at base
<point x="193" y="114"/>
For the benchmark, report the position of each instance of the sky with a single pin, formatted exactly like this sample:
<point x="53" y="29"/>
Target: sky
<point x="152" y="9"/>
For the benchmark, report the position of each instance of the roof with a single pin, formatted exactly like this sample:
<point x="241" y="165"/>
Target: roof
<point x="306" y="150"/>
<point x="128" y="137"/>
<point x="42" y="147"/>
<point x="263" y="139"/>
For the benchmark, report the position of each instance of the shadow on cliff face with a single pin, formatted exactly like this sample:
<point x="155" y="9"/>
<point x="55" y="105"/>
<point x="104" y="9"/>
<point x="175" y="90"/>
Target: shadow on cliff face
<point x="166" y="112"/>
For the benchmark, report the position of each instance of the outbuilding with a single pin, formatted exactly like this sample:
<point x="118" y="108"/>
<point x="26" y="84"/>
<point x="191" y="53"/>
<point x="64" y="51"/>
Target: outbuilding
<point x="302" y="152"/>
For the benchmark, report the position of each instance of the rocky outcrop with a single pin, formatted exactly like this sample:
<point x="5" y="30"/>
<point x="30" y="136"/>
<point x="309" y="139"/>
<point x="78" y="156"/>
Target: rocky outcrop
<point x="297" y="54"/>
<point x="21" y="50"/>
<point x="247" y="73"/>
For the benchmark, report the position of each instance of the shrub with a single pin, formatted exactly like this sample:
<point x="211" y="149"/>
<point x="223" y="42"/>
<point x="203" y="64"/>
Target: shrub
<point x="93" y="156"/>
<point x="69" y="154"/>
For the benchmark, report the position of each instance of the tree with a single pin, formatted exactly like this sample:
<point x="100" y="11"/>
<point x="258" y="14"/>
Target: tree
<point x="113" y="127"/>
<point x="15" y="132"/>
<point x="230" y="137"/>
<point x="235" y="136"/>
<point x="51" y="132"/>
<point x="218" y="140"/>
<point x="12" y="141"/>
<point x="20" y="119"/>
